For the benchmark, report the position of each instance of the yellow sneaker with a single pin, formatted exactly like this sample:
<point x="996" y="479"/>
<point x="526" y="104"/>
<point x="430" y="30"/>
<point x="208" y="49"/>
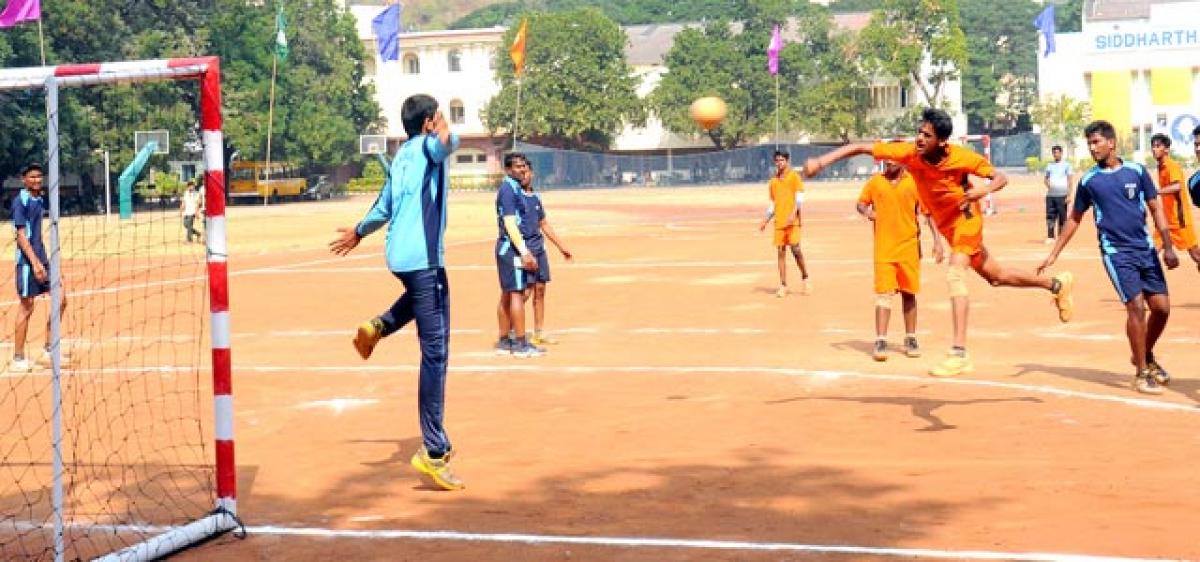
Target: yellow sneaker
<point x="1062" y="299"/>
<point x="540" y="338"/>
<point x="437" y="470"/>
<point x="953" y="365"/>
<point x="369" y="334"/>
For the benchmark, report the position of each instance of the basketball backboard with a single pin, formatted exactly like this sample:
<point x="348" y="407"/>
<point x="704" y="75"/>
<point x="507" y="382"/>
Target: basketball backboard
<point x="372" y="144"/>
<point x="160" y="136"/>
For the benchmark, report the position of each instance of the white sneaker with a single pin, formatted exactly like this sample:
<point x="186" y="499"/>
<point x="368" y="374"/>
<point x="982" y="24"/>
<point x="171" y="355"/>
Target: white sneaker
<point x="1049" y="242"/>
<point x="23" y="365"/>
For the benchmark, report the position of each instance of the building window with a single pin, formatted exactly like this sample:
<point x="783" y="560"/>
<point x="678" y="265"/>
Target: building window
<point x="454" y="60"/>
<point x="464" y="158"/>
<point x="903" y="97"/>
<point x="412" y="64"/>
<point x="481" y="158"/>
<point x="458" y="114"/>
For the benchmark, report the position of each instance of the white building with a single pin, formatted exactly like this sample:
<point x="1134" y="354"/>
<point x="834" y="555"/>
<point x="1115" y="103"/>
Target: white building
<point x="457" y="67"/>
<point x="1138" y="63"/>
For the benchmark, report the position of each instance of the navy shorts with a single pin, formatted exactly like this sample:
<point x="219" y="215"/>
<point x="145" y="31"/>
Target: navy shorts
<point x="1135" y="273"/>
<point x="542" y="275"/>
<point x="508" y="265"/>
<point x="27" y="284"/>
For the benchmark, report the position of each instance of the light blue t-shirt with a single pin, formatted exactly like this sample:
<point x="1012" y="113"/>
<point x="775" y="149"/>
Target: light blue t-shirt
<point x="1059" y="174"/>
<point x="413" y="199"/>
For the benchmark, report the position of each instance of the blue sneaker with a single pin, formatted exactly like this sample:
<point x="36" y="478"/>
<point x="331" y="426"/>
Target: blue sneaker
<point x="522" y="348"/>
<point x="504" y="346"/>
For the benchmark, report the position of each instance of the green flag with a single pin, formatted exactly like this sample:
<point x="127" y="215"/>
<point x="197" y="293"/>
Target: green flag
<point x="281" y="46"/>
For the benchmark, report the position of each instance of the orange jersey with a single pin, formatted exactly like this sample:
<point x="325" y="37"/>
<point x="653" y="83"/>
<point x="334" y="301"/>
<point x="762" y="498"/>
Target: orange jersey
<point x="897" y="234"/>
<point x="1176" y="206"/>
<point x="940" y="185"/>
<point x="783" y="194"/>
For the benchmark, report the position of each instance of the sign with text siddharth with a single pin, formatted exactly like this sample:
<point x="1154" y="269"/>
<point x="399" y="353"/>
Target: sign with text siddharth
<point x="1142" y="37"/>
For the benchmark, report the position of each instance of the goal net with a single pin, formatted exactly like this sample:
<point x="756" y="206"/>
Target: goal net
<point x="115" y="412"/>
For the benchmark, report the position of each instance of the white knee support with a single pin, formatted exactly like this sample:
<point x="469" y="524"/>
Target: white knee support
<point x="956" y="279"/>
<point x="884" y="301"/>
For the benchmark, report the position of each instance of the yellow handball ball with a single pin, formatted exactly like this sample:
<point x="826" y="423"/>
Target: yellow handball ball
<point x="708" y="112"/>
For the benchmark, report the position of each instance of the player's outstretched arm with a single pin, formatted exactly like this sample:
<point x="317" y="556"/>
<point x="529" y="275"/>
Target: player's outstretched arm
<point x="553" y="236"/>
<point x="1064" y="238"/>
<point x="1164" y="232"/>
<point x="813" y="166"/>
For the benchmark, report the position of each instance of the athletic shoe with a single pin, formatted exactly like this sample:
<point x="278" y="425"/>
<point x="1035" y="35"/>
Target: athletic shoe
<point x="1049" y="242"/>
<point x="369" y="334"/>
<point x="22" y="365"/>
<point x="437" y="470"/>
<point x="522" y="348"/>
<point x="880" y="352"/>
<point x="1159" y="374"/>
<point x="1062" y="299"/>
<point x="540" y="338"/>
<point x="805" y="288"/>
<point x="782" y="291"/>
<point x="504" y="346"/>
<point x="911" y="348"/>
<point x="45" y="360"/>
<point x="1144" y="383"/>
<point x="953" y="365"/>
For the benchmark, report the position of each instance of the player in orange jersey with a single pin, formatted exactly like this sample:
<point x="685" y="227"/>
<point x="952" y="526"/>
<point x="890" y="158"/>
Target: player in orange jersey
<point x="1176" y="201"/>
<point x="787" y="195"/>
<point x="889" y="200"/>
<point x="942" y="173"/>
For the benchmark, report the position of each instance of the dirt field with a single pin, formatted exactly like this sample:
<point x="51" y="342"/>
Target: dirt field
<point x="688" y="413"/>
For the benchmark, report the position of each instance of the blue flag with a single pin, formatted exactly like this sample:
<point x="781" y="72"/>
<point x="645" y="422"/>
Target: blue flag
<point x="387" y="32"/>
<point x="1045" y="24"/>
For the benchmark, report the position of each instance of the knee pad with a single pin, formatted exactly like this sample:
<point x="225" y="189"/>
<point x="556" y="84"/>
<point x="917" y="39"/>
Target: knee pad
<point x="956" y="280"/>
<point x="884" y="301"/>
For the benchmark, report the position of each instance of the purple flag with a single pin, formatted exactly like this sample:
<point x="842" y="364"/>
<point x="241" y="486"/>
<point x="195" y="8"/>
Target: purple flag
<point x="773" y="49"/>
<point x="18" y="11"/>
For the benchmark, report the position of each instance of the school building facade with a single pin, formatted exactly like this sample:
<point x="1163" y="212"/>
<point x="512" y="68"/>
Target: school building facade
<point x="1137" y="62"/>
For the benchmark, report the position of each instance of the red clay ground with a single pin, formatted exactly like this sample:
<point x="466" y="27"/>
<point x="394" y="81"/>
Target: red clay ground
<point x="686" y="402"/>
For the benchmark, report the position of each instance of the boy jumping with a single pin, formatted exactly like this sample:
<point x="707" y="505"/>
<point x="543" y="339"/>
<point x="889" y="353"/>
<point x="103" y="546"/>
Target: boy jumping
<point x="941" y="173"/>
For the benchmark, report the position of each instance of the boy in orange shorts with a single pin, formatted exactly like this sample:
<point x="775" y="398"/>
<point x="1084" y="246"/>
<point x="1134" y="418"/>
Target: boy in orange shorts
<point x="1176" y="201"/>
<point x="941" y="172"/>
<point x="787" y="194"/>
<point x="889" y="200"/>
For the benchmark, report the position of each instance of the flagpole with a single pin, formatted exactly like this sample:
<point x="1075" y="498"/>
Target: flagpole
<point x="270" y="124"/>
<point x="776" y="112"/>
<point x="41" y="41"/>
<point x="517" y="115"/>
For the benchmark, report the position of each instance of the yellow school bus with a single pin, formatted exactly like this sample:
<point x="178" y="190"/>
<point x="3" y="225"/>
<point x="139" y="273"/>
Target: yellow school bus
<point x="249" y="179"/>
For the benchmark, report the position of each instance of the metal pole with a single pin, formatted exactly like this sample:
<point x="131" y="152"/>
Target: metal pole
<point x="107" y="188"/>
<point x="517" y="115"/>
<point x="776" y="112"/>
<point x="42" y="41"/>
<point x="270" y="123"/>
<point x="55" y="324"/>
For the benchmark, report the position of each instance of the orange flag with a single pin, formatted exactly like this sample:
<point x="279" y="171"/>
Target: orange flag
<point x="517" y="51"/>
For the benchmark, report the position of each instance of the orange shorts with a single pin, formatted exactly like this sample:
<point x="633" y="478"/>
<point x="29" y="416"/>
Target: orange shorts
<point x="965" y="236"/>
<point x="902" y="276"/>
<point x="1181" y="238"/>
<point x="789" y="236"/>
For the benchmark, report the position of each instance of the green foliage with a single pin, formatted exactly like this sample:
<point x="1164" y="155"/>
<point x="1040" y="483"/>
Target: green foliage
<point x="1068" y="17"/>
<point x="900" y="34"/>
<point x="373" y="169"/>
<point x="577" y="90"/>
<point x="625" y="12"/>
<point x="822" y="89"/>
<point x="321" y="102"/>
<point x="847" y="6"/>
<point x="1034" y="164"/>
<point x="1062" y="119"/>
<point x="1000" y="80"/>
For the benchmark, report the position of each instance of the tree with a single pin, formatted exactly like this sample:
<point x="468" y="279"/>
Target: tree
<point x="321" y="99"/>
<point x="1062" y="118"/>
<point x="624" y="12"/>
<point x="1068" y="17"/>
<point x="903" y="34"/>
<point x="1000" y="80"/>
<point x="577" y="90"/>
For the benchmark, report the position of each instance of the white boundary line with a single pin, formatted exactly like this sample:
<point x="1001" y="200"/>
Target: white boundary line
<point x="242" y="370"/>
<point x="627" y="542"/>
